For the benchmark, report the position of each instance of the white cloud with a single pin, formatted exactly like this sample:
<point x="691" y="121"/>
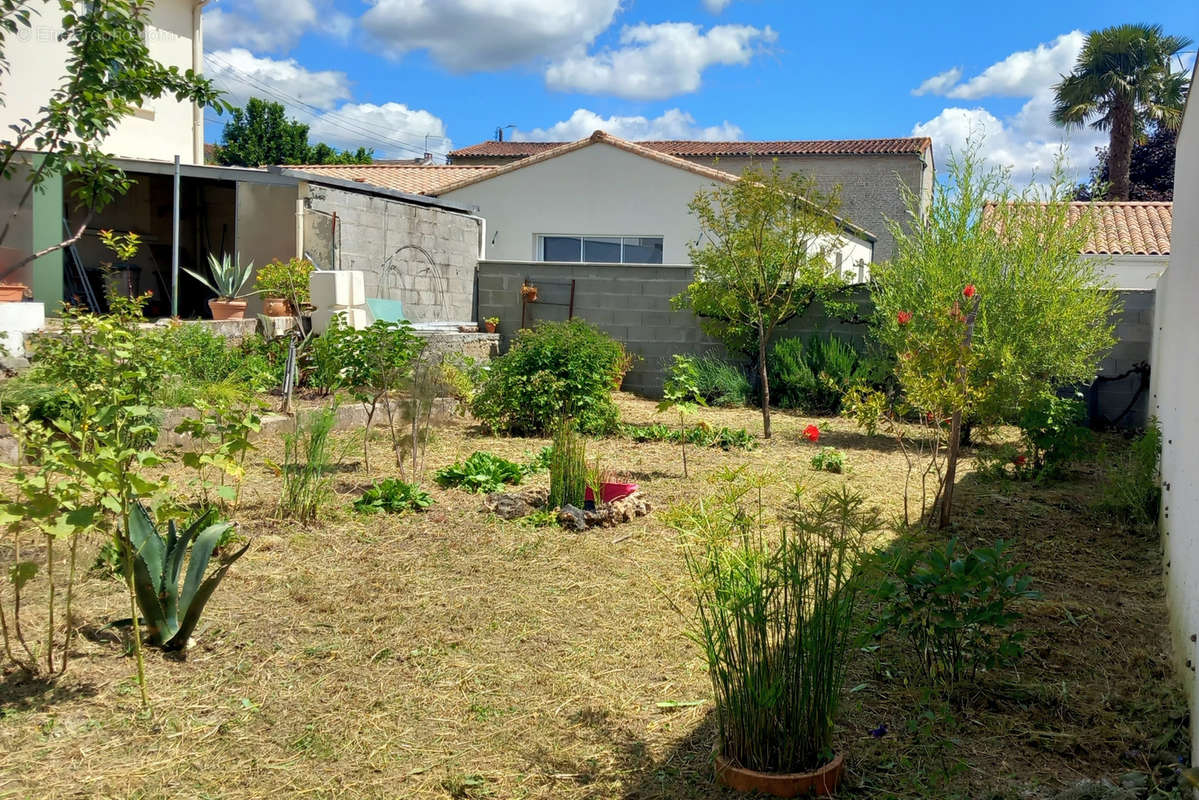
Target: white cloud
<point x="1027" y="141"/>
<point x="272" y="25"/>
<point x="465" y="35"/>
<point x="657" y="61"/>
<point x="393" y="129"/>
<point x="1019" y="75"/>
<point x="939" y="83"/>
<point x="672" y="124"/>
<point x="716" y="6"/>
<point x="241" y="74"/>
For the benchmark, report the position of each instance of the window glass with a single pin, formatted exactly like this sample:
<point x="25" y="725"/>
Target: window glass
<point x="602" y="250"/>
<point x="643" y="250"/>
<point x="560" y="248"/>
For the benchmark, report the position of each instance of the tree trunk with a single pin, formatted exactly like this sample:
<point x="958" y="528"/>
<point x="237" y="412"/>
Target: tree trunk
<point x="765" y="385"/>
<point x="1120" y="150"/>
<point x="951" y="468"/>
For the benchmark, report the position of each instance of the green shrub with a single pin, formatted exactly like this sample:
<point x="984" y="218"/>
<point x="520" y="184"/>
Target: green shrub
<point x="1054" y="433"/>
<point x="774" y="615"/>
<point x="955" y="607"/>
<point x="482" y="473"/>
<point x="556" y="369"/>
<point x="814" y="376"/>
<point x="568" y="467"/>
<point x="829" y="459"/>
<point x="392" y="496"/>
<point x="710" y="379"/>
<point x="701" y="435"/>
<point x="1132" y="488"/>
<point x="45" y="401"/>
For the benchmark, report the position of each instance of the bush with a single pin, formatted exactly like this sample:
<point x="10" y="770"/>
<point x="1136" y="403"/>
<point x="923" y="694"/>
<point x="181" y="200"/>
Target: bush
<point x="813" y="377"/>
<point x="712" y="380"/>
<point x="392" y="496"/>
<point x="1053" y="431"/>
<point x="774" y="615"/>
<point x="955" y="607"/>
<point x="556" y="369"/>
<point x="481" y="473"/>
<point x="829" y="459"/>
<point x="1132" y="490"/>
<point x="700" y="435"/>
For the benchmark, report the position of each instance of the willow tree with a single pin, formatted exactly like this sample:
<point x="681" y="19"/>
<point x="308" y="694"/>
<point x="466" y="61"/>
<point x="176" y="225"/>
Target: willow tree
<point x="765" y="255"/>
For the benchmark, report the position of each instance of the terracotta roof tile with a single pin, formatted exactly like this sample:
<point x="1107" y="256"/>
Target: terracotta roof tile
<point x="1130" y="228"/>
<point x="684" y="148"/>
<point x="410" y="178"/>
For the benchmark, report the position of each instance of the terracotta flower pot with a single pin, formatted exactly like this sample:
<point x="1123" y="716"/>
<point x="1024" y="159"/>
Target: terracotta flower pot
<point x="12" y="292"/>
<point x="276" y="307"/>
<point x="529" y="293"/>
<point x="489" y="327"/>
<point x="227" y="309"/>
<point x="822" y="782"/>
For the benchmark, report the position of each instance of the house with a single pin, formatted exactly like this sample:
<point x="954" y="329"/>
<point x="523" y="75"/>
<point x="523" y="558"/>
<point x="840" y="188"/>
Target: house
<point x="873" y="174"/>
<point x="161" y="130"/>
<point x="1174" y="388"/>
<point x="1130" y="241"/>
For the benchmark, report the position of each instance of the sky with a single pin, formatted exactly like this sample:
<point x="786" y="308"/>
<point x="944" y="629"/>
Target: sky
<point x="403" y="76"/>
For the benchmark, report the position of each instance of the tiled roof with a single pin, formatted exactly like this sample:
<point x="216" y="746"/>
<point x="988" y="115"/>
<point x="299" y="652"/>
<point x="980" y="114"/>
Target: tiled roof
<point x="1130" y="228"/>
<point x="678" y="147"/>
<point x="410" y="178"/>
<point x="637" y="148"/>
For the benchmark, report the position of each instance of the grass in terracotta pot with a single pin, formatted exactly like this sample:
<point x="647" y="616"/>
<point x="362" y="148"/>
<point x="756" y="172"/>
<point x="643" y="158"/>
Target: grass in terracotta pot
<point x="229" y="278"/>
<point x="285" y="281"/>
<point x="773" y="612"/>
<point x="489" y="324"/>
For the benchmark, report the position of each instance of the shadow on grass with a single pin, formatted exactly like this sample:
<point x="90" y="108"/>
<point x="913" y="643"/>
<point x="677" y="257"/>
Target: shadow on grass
<point x="20" y="691"/>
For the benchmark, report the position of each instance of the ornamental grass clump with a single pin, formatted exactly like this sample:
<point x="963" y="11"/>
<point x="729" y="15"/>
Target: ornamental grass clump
<point x="774" y="615"/>
<point x="568" y="467"/>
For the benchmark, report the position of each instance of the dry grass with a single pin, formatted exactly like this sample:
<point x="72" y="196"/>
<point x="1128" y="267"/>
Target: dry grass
<point x="449" y="654"/>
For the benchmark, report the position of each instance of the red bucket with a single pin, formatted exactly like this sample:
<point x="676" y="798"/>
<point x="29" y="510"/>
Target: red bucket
<point x="612" y="492"/>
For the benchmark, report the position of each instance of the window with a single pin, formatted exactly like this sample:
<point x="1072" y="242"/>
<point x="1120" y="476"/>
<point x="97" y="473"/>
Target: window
<point x="601" y="249"/>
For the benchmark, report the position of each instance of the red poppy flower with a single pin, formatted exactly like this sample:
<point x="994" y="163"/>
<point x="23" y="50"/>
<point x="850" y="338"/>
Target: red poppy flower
<point x="1019" y="461"/>
<point x="968" y="291"/>
<point x="903" y="317"/>
<point x="811" y="433"/>
<point x="149" y="293"/>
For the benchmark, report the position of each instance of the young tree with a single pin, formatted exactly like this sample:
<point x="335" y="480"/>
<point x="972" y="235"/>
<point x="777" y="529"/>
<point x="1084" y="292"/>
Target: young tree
<point x="109" y="75"/>
<point x="770" y="239"/>
<point x="261" y="134"/>
<point x="1122" y="82"/>
<point x="988" y="302"/>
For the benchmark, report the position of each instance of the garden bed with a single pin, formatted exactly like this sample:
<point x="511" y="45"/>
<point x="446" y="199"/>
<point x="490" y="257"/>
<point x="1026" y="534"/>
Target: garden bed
<point x="452" y="654"/>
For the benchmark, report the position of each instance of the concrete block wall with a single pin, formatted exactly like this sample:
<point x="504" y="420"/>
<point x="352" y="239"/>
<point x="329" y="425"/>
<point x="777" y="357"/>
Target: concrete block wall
<point x="1134" y="339"/>
<point x="630" y="303"/>
<point x="375" y="231"/>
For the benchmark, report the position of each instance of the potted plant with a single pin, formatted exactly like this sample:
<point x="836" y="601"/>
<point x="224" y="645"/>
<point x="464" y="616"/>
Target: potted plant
<point x="284" y="286"/>
<point x="14" y="292"/>
<point x="774" y="613"/>
<point x="490" y="323"/>
<point x="529" y="292"/>
<point x="228" y="280"/>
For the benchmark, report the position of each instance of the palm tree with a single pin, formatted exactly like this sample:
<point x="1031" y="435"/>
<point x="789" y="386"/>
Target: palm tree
<point x="1123" y="81"/>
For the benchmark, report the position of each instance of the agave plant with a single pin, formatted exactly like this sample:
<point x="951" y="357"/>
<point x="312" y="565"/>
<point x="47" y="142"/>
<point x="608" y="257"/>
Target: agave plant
<point x="170" y="614"/>
<point x="228" y="276"/>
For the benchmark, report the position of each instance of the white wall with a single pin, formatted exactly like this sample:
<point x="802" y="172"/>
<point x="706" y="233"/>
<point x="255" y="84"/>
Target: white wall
<point x="1174" y="387"/>
<point x="1131" y="272"/>
<point x="598" y="190"/>
<point x="159" y="131"/>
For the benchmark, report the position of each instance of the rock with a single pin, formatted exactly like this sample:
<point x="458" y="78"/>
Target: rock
<point x="514" y="505"/>
<point x="572" y="518"/>
<point x="628" y="507"/>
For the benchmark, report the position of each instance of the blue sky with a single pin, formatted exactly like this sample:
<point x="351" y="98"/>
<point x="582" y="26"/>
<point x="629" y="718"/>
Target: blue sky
<point x="389" y="73"/>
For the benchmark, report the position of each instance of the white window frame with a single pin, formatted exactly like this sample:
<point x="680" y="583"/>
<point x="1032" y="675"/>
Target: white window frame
<point x="539" y="245"/>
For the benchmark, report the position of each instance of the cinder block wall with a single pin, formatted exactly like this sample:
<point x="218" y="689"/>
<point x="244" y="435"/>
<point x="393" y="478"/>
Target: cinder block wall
<point x="632" y="304"/>
<point x="372" y="230"/>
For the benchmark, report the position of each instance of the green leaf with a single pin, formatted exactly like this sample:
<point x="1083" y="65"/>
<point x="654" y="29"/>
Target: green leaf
<point x="21" y="573"/>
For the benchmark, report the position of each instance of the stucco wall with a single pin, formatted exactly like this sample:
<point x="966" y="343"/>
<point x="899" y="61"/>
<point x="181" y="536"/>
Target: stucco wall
<point x="598" y="190"/>
<point x="1174" y="388"/>
<point x="159" y="131"/>
<point x="371" y="230"/>
<point x="1131" y="272"/>
<point x="870" y="186"/>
